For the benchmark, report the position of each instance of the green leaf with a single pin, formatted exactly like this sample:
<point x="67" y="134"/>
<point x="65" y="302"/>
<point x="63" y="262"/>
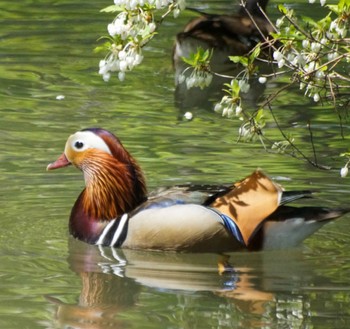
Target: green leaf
<point x="206" y="56"/>
<point x="255" y="53"/>
<point x="259" y="118"/>
<point x="235" y="87"/>
<point x="309" y="20"/>
<point x="339" y="7"/>
<point x="239" y="59"/>
<point x="235" y="59"/>
<point x="201" y="57"/>
<point x="102" y="48"/>
<point x="189" y="60"/>
<point x="111" y="9"/>
<point x="259" y="115"/>
<point x="282" y="9"/>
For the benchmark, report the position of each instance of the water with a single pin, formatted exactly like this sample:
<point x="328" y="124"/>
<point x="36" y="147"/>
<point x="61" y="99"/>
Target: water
<point x="48" y="280"/>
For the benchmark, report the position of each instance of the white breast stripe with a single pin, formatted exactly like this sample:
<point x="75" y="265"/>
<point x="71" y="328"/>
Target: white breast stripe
<point x="119" y="230"/>
<point x="104" y="233"/>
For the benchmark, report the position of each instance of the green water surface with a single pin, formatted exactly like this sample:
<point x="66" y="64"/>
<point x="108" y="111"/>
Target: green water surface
<point x="48" y="280"/>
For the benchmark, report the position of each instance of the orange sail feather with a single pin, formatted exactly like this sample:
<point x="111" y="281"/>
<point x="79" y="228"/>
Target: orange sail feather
<point x="250" y="202"/>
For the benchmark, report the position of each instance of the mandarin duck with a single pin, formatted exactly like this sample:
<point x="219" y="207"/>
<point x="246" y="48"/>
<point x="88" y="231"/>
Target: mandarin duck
<point x="115" y="210"/>
<point x="225" y="35"/>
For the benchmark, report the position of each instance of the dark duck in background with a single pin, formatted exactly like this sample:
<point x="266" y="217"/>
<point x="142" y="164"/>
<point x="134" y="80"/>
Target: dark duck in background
<point x="226" y="35"/>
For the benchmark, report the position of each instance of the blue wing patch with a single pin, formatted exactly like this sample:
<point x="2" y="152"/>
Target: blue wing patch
<point x="232" y="227"/>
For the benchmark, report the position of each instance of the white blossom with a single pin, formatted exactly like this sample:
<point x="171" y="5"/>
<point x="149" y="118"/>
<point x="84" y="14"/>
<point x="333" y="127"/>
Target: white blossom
<point x="323" y="41"/>
<point x="281" y="63"/>
<point x="344" y="171"/>
<point x="134" y="4"/>
<point x="208" y="79"/>
<point x="121" y="76"/>
<point x="320" y="74"/>
<point x="181" y="4"/>
<point x="315" y="46"/>
<point x="188" y="116"/>
<point x="333" y="26"/>
<point x="190" y="82"/>
<point x="310" y="66"/>
<point x="122" y="55"/>
<point x="176" y="12"/>
<point x="262" y="80"/>
<point x="199" y="79"/>
<point x="244" y="86"/>
<point x="305" y="43"/>
<point x="152" y="27"/>
<point x="131" y="29"/>
<point x="342" y="32"/>
<point x="333" y="55"/>
<point x="181" y="78"/>
<point x="123" y="65"/>
<point x="218" y="107"/>
<point x="106" y="77"/>
<point x="225" y="111"/>
<point x="279" y="22"/>
<point x="243" y="131"/>
<point x="277" y="55"/>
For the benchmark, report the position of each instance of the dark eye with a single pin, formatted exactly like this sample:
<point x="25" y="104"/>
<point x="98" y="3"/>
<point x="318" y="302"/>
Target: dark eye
<point x="79" y="144"/>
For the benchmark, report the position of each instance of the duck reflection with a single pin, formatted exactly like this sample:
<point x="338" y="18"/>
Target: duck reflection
<point x="226" y="35"/>
<point x="113" y="281"/>
<point x="104" y="294"/>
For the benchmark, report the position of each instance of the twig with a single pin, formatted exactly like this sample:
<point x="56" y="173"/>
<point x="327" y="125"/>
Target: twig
<point x="313" y="163"/>
<point x="335" y="106"/>
<point x="312" y="142"/>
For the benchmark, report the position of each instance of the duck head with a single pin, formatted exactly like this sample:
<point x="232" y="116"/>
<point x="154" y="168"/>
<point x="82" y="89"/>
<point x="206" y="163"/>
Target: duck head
<point x="114" y="182"/>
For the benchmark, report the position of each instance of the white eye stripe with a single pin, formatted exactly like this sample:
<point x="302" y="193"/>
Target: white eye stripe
<point x="83" y="140"/>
